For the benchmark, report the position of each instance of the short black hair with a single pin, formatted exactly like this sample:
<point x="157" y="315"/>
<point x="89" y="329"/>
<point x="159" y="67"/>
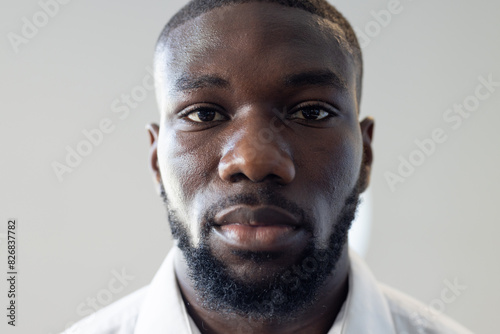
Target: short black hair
<point x="322" y="8"/>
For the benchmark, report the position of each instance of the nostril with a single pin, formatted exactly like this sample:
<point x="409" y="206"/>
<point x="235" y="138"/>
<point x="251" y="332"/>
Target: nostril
<point x="238" y="177"/>
<point x="273" y="178"/>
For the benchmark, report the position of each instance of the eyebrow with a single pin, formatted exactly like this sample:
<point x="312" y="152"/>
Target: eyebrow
<point x="323" y="77"/>
<point x="189" y="82"/>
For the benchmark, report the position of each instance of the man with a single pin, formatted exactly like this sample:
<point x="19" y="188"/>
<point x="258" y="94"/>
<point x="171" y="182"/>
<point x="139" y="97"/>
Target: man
<point x="260" y="158"/>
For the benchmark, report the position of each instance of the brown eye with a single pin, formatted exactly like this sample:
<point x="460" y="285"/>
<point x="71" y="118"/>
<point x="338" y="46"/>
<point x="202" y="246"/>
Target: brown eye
<point x="205" y="115"/>
<point x="312" y="113"/>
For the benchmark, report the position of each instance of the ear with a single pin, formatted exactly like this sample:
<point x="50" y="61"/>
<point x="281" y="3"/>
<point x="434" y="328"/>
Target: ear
<point x="153" y="132"/>
<point x="367" y="127"/>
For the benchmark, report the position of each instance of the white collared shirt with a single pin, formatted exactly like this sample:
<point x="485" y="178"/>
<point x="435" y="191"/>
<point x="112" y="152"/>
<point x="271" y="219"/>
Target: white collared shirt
<point x="369" y="308"/>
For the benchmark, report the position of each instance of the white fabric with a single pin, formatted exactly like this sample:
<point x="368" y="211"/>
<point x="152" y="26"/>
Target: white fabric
<point x="369" y="308"/>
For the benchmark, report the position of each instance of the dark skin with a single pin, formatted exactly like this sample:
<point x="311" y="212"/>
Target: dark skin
<point x="277" y="108"/>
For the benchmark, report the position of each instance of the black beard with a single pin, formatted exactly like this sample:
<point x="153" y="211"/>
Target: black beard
<point x="280" y="297"/>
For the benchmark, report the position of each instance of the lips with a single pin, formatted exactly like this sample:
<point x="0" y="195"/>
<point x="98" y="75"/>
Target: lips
<point x="262" y="228"/>
<point x="256" y="216"/>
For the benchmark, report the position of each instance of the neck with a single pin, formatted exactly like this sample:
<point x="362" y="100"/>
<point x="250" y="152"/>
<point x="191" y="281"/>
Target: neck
<point x="317" y="319"/>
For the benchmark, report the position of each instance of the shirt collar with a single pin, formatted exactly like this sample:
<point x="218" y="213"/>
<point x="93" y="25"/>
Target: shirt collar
<point x="364" y="311"/>
<point x="163" y="309"/>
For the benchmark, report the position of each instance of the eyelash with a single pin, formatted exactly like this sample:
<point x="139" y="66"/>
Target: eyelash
<point x="184" y="114"/>
<point x="308" y="105"/>
<point x="317" y="104"/>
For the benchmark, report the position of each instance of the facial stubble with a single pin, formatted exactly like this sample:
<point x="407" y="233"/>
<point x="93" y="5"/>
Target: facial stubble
<point x="281" y="296"/>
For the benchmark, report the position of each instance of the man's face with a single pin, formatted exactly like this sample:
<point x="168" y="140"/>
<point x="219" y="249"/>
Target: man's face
<point x="259" y="144"/>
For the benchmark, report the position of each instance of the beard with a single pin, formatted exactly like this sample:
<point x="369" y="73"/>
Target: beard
<point x="280" y="296"/>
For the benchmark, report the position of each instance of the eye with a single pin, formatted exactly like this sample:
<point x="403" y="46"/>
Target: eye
<point x="312" y="112"/>
<point x="204" y="115"/>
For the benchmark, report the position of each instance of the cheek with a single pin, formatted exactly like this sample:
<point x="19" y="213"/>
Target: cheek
<point x="347" y="162"/>
<point x="332" y="165"/>
<point x="185" y="171"/>
<point x="330" y="173"/>
<point x="183" y="163"/>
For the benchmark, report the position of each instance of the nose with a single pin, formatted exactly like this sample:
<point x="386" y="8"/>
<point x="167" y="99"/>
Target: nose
<point x="255" y="153"/>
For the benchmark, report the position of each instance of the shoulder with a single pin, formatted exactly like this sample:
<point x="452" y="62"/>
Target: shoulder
<point x="411" y="316"/>
<point x="117" y="318"/>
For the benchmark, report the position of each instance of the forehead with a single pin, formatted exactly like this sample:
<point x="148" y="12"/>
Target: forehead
<point x="254" y="42"/>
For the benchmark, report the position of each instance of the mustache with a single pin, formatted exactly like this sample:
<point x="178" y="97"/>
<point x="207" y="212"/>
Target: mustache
<point x="263" y="196"/>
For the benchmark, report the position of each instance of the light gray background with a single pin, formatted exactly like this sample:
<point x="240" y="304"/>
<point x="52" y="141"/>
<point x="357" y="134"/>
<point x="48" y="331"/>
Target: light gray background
<point x="441" y="224"/>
